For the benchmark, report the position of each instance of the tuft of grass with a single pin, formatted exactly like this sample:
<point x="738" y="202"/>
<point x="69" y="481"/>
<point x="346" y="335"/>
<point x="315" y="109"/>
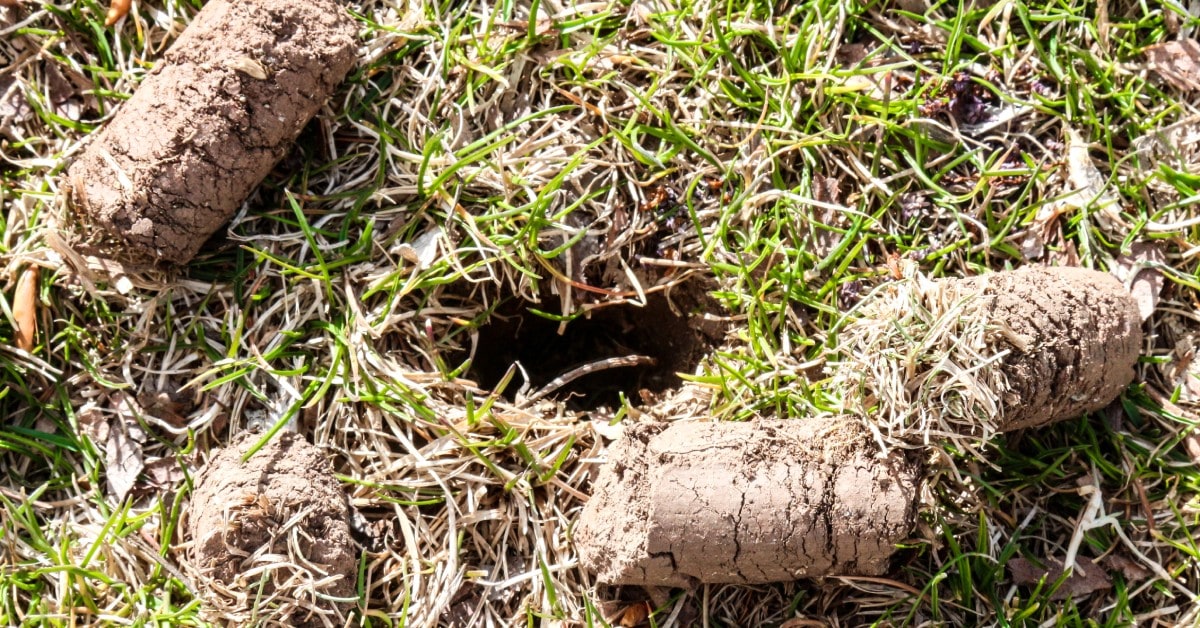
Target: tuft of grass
<point x="920" y="359"/>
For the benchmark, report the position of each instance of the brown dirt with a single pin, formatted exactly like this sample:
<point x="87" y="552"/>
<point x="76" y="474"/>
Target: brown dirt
<point x="686" y="503"/>
<point x="202" y="131"/>
<point x="1083" y="336"/>
<point x="242" y="511"/>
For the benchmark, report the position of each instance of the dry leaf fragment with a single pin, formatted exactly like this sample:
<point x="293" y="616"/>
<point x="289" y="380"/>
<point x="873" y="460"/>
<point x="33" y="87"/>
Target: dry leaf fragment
<point x="93" y="423"/>
<point x="1191" y="444"/>
<point x="24" y="308"/>
<point x="625" y="614"/>
<point x="851" y="54"/>
<point x="1184" y="369"/>
<point x="117" y="9"/>
<point x="1178" y="62"/>
<point x="15" y="109"/>
<point x="1139" y="272"/>
<point x="164" y="473"/>
<point x="1033" y="244"/>
<point x="826" y="189"/>
<point x="827" y="192"/>
<point x="1081" y="582"/>
<point x="634" y="615"/>
<point x="123" y="457"/>
<point x="1132" y="571"/>
<point x="68" y="91"/>
<point x="424" y="250"/>
<point x="1091" y="188"/>
<point x="249" y="67"/>
<point x="169" y="405"/>
<point x="800" y="622"/>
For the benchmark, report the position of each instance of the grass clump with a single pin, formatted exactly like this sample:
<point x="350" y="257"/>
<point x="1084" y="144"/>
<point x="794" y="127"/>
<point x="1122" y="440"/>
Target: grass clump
<point x="923" y="364"/>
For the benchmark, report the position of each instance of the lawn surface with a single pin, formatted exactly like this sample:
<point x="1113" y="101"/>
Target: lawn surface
<point x="552" y="184"/>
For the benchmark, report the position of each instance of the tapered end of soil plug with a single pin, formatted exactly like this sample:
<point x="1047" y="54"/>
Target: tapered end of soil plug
<point x="686" y="503"/>
<point x="208" y="123"/>
<point x="272" y="534"/>
<point x="1076" y="335"/>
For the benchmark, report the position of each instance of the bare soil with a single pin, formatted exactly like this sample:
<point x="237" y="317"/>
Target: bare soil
<point x="677" y="331"/>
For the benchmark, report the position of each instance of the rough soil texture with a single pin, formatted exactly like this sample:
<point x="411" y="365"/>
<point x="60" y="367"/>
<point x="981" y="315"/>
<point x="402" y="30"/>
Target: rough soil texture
<point x="1082" y="332"/>
<point x="240" y="509"/>
<point x="686" y="503"/>
<point x="203" y="130"/>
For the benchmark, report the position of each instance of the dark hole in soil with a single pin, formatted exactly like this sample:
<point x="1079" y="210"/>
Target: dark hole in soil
<point x="676" y="342"/>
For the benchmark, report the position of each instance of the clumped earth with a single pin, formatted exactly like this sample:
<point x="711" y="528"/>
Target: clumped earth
<point x="273" y="533"/>
<point x="208" y="123"/>
<point x="1075" y="336"/>
<point x="762" y="501"/>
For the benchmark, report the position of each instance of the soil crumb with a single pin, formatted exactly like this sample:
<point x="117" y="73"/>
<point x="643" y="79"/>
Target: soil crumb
<point x="964" y="359"/>
<point x="278" y="521"/>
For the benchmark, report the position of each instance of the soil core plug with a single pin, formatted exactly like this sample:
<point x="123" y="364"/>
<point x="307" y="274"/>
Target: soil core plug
<point x="684" y="503"/>
<point x="271" y="536"/>
<point x="964" y="359"/>
<point x="208" y="123"/>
